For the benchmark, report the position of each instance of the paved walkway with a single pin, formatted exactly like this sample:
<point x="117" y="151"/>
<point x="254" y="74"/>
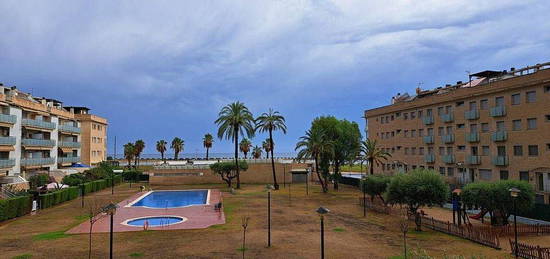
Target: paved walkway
<point x="199" y="216"/>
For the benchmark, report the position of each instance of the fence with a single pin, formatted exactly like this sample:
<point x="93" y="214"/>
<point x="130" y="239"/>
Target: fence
<point x="380" y="208"/>
<point x="522" y="229"/>
<point x="530" y="251"/>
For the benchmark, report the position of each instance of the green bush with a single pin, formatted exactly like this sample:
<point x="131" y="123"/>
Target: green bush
<point x="38" y="180"/>
<point x="53" y="198"/>
<point x="15" y="207"/>
<point x="375" y="186"/>
<point x="74" y="179"/>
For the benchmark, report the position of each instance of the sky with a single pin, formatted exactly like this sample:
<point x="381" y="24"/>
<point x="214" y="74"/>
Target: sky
<point x="160" y="69"/>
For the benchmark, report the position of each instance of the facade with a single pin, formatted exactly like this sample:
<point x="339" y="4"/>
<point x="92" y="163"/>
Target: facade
<point x="94" y="136"/>
<point x="495" y="126"/>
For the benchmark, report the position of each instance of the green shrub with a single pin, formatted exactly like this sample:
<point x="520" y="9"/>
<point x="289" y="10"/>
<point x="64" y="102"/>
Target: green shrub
<point x="375" y="186"/>
<point x="38" y="180"/>
<point x="74" y="179"/>
<point x="15" y="207"/>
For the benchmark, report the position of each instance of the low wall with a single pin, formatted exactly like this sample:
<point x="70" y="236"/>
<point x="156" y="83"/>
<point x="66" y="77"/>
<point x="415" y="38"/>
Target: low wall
<point x="257" y="173"/>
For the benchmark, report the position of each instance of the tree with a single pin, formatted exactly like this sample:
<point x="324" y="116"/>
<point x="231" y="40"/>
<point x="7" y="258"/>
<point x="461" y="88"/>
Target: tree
<point x="373" y="154"/>
<point x="376" y="186"/>
<point x="177" y="146"/>
<point x="347" y="146"/>
<point x="129" y="152"/>
<point x="419" y="188"/>
<point x="94" y="209"/>
<point x="161" y="148"/>
<point x="207" y="142"/>
<point x="228" y="170"/>
<point x="245" y="146"/>
<point x="257" y="152"/>
<point x="233" y="120"/>
<point x="267" y="147"/>
<point x="268" y="122"/>
<point x="312" y="146"/>
<point x="139" y="147"/>
<point x="494" y="197"/>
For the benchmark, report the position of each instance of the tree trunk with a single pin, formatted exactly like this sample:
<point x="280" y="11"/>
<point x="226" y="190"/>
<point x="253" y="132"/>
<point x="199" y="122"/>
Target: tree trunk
<point x="371" y="165"/>
<point x="90" y="242"/>
<point x="237" y="157"/>
<point x="418" y="221"/>
<point x="267" y="154"/>
<point x="176" y="154"/>
<point x="319" y="175"/>
<point x="162" y="157"/>
<point x="207" y="153"/>
<point x="275" y="184"/>
<point x="335" y="174"/>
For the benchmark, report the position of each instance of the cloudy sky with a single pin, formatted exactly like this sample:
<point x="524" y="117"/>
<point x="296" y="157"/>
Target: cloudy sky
<point x="159" y="69"/>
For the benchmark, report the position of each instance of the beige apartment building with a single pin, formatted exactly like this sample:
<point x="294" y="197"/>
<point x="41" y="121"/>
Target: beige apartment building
<point x="495" y="126"/>
<point x="94" y="136"/>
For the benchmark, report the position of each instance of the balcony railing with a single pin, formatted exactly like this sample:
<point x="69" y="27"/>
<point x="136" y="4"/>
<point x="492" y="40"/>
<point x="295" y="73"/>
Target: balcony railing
<point x="6" y="118"/>
<point x="448" y="139"/>
<point x="69" y="128"/>
<point x="473" y="160"/>
<point x="38" y="124"/>
<point x="471" y="115"/>
<point x="428" y="120"/>
<point x="429" y="158"/>
<point x="498" y="136"/>
<point x="37" y="161"/>
<point x="69" y="144"/>
<point x="498" y="111"/>
<point x="448" y="159"/>
<point x="7" y="141"/>
<point x="7" y="163"/>
<point x="64" y="160"/>
<point x="428" y="139"/>
<point x="500" y="160"/>
<point x="449" y="117"/>
<point x="38" y="142"/>
<point x="472" y="137"/>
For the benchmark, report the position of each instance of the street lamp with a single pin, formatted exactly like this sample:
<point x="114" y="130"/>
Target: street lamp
<point x="110" y="210"/>
<point x="322" y="211"/>
<point x="364" y="196"/>
<point x="457" y="207"/>
<point x="514" y="192"/>
<point x="269" y="188"/>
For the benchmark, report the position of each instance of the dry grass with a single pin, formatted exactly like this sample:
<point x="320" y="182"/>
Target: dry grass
<point x="295" y="231"/>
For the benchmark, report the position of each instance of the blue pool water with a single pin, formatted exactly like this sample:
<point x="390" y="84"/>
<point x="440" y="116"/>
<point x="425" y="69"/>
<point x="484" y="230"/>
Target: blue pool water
<point x="154" y="221"/>
<point x="172" y="199"/>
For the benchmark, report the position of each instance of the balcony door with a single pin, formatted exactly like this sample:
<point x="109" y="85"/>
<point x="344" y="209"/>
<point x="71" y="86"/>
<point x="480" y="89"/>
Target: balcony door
<point x="501" y="150"/>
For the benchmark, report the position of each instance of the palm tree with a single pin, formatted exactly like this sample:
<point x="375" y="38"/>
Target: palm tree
<point x="311" y="146"/>
<point x="257" y="152"/>
<point x="161" y="147"/>
<point x="245" y="146"/>
<point x="373" y="154"/>
<point x="140" y="146"/>
<point x="129" y="152"/>
<point x="177" y="146"/>
<point x="207" y="141"/>
<point x="269" y="122"/>
<point x="235" y="119"/>
<point x="266" y="147"/>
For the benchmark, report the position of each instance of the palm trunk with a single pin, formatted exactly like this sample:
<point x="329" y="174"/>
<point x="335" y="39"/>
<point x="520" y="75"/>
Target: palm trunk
<point x="237" y="157"/>
<point x="207" y="153"/>
<point x="371" y="165"/>
<point x="319" y="175"/>
<point x="275" y="184"/>
<point x="162" y="157"/>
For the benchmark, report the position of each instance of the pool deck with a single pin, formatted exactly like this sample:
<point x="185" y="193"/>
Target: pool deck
<point x="198" y="216"/>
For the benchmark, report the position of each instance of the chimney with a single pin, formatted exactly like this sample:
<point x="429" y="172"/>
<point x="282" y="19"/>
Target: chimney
<point x="459" y="82"/>
<point x="512" y="69"/>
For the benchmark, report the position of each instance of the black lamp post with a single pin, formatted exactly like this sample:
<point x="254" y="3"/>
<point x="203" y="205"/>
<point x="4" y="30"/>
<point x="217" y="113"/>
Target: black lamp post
<point x="110" y="210"/>
<point x="322" y="211"/>
<point x="364" y="197"/>
<point x="514" y="192"/>
<point x="82" y="194"/>
<point x="112" y="182"/>
<point x="269" y="187"/>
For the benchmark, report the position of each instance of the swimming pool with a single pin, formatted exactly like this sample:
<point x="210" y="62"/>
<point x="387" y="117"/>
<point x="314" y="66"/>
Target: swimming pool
<point x="155" y="221"/>
<point x="172" y="199"/>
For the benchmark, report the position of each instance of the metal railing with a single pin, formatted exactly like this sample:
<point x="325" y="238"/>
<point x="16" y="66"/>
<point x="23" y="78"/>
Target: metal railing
<point x="6" y="118"/>
<point x="448" y="159"/>
<point x="69" y="144"/>
<point x="448" y="139"/>
<point x="38" y="142"/>
<point x="498" y="111"/>
<point x="449" y="117"/>
<point x="500" y="160"/>
<point x="473" y="160"/>
<point x="500" y="135"/>
<point x="429" y="158"/>
<point x="72" y="159"/>
<point x="7" y="163"/>
<point x="428" y="139"/>
<point x="471" y="115"/>
<point x="38" y="124"/>
<point x="428" y="120"/>
<point x="7" y="141"/>
<point x="472" y="137"/>
<point x="37" y="161"/>
<point x="69" y="128"/>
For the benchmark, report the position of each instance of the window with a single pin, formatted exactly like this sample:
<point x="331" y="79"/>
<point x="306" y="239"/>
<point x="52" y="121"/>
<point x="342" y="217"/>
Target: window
<point x="547" y="89"/>
<point x="499" y="101"/>
<point x="413" y="151"/>
<point x="460" y="104"/>
<point x="430" y="131"/>
<point x="503" y="175"/>
<point x="516" y="99"/>
<point x="516" y="125"/>
<point x="406" y="151"/>
<point x="531" y="123"/>
<point x="419" y="114"/>
<point x="531" y="96"/>
<point x="484" y="104"/>
<point x="474" y="151"/>
<point x="518" y="150"/>
<point x="393" y="134"/>
<point x="450" y="171"/>
<point x="413" y="115"/>
<point x="420" y="132"/>
<point x="449" y="150"/>
<point x="484" y="127"/>
<point x="460" y="126"/>
<point x="533" y="150"/>
<point x="485" y="151"/>
<point x="448" y="109"/>
<point x="406" y="133"/>
<point x="413" y="133"/>
<point x="392" y="117"/>
<point x="500" y="126"/>
<point x="442" y="170"/>
<point x="524" y="176"/>
<point x="441" y="151"/>
<point x="547" y="116"/>
<point x="473" y="127"/>
<point x="548" y="146"/>
<point x="440" y="131"/>
<point x="485" y="174"/>
<point x="461" y="148"/>
<point x="440" y="111"/>
<point x="397" y="114"/>
<point x="473" y="106"/>
<point x="430" y="150"/>
<point x="449" y="130"/>
<point x="405" y="116"/>
<point x="421" y="151"/>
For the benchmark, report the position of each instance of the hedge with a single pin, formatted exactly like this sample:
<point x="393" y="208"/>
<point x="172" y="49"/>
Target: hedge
<point x="539" y="211"/>
<point x="53" y="198"/>
<point x="15" y="207"/>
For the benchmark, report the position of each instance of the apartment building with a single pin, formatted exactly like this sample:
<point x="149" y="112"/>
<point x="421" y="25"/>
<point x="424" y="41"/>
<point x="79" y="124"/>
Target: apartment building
<point x="494" y="126"/>
<point x="94" y="136"/>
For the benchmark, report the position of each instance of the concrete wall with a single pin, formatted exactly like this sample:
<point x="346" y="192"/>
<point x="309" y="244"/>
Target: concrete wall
<point x="15" y="131"/>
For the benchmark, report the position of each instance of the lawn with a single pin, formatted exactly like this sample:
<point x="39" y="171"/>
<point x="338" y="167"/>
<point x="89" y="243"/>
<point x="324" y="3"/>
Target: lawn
<point x="295" y="230"/>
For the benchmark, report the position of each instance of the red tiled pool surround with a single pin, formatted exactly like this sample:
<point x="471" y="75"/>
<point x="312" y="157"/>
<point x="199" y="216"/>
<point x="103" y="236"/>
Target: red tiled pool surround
<point x="198" y="216"/>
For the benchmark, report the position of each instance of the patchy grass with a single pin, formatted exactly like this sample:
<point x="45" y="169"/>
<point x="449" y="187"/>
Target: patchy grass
<point x="136" y="255"/>
<point x="23" y="256"/>
<point x="50" y="236"/>
<point x="338" y="230"/>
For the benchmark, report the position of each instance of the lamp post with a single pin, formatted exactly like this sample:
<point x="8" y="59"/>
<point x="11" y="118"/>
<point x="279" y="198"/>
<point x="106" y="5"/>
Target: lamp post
<point x="322" y="211"/>
<point x="269" y="187"/>
<point x="364" y="197"/>
<point x="110" y="210"/>
<point x="82" y="194"/>
<point x="457" y="206"/>
<point x="514" y="192"/>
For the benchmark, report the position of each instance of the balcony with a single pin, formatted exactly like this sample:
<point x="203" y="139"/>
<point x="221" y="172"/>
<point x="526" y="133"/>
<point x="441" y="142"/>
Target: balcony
<point x="498" y="111"/>
<point x="499" y="136"/>
<point x="38" y="124"/>
<point x="428" y="139"/>
<point x="6" y="118"/>
<point x="472" y="137"/>
<point x="449" y="117"/>
<point x="471" y="115"/>
<point x="69" y="129"/>
<point x="37" y="161"/>
<point x="429" y="158"/>
<point x="473" y="160"/>
<point x="7" y="163"/>
<point x="7" y="141"/>
<point x="500" y="160"/>
<point x="428" y="120"/>
<point x="69" y="144"/>
<point x="38" y="142"/>
<point x="66" y="160"/>
<point x="448" y="159"/>
<point x="448" y="139"/>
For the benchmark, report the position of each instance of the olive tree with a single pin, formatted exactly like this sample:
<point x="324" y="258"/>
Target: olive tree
<point x="228" y="170"/>
<point x="376" y="186"/>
